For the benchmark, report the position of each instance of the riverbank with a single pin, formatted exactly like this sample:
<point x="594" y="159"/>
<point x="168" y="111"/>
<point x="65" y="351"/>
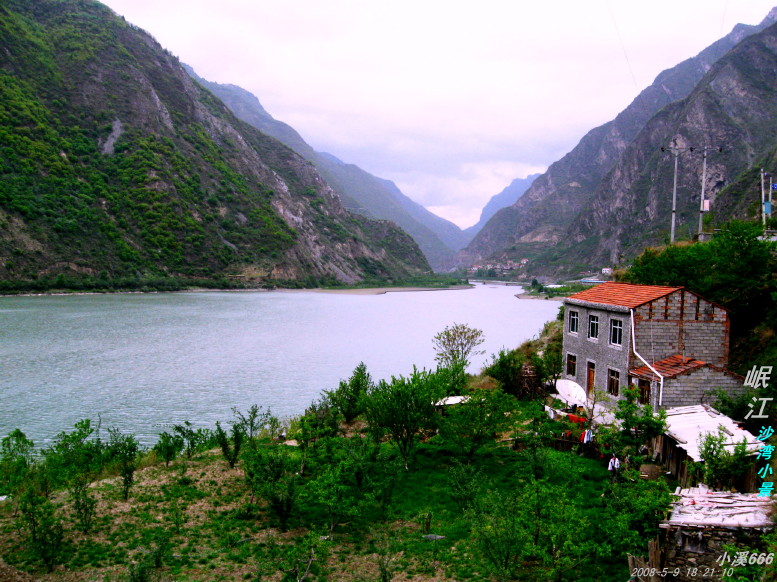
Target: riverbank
<point x="384" y="290"/>
<point x="545" y="297"/>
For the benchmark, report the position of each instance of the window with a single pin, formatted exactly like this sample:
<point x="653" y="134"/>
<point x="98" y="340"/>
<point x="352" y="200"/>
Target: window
<point x="616" y="332"/>
<point x="593" y="326"/>
<point x="571" y="365"/>
<point x="574" y="320"/>
<point x="644" y="391"/>
<point x="613" y="382"/>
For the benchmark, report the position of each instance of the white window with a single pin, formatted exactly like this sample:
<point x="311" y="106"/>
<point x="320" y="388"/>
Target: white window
<point x="574" y="321"/>
<point x="616" y="332"/>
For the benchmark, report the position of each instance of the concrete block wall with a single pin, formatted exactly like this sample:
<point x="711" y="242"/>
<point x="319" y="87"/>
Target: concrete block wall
<point x="682" y="323"/>
<point x="692" y="388"/>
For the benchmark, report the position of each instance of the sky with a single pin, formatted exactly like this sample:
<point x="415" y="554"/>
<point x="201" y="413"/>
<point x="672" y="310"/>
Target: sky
<point x="451" y="100"/>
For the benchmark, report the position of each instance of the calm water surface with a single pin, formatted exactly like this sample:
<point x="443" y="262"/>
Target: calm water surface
<point x="145" y="361"/>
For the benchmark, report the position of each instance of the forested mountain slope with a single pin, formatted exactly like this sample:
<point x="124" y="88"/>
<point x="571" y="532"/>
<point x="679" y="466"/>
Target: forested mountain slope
<point x="115" y="164"/>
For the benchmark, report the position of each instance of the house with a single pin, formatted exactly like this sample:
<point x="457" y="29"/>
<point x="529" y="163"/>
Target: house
<point x="709" y="531"/>
<point x="686" y="426"/>
<point x="668" y="341"/>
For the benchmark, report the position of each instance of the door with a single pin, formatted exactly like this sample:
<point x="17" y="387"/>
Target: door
<point x="644" y="391"/>
<point x="589" y="383"/>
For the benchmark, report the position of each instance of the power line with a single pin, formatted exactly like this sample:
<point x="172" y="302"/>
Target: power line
<point x="623" y="46"/>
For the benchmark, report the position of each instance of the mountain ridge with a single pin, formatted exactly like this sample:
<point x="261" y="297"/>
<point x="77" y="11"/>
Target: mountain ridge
<point x="359" y="190"/>
<point x="116" y="164"/>
<point x="538" y="222"/>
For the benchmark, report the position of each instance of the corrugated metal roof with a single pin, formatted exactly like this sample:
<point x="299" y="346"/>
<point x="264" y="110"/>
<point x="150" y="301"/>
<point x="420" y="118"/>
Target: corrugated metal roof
<point x="688" y="424"/>
<point x="669" y="367"/>
<point x="702" y="507"/>
<point x="623" y="294"/>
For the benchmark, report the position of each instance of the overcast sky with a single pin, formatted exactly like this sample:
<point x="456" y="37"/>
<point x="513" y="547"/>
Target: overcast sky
<point x="451" y="100"/>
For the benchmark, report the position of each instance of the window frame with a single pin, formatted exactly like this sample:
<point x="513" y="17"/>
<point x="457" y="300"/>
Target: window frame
<point x="613" y="379"/>
<point x="574" y="316"/>
<point x="593" y="324"/>
<point x="571" y="359"/>
<point x="619" y="329"/>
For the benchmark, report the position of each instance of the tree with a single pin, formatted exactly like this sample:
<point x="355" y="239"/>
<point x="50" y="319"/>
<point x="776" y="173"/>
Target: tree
<point x="638" y="425"/>
<point x="271" y="475"/>
<point x="255" y="420"/>
<point x="722" y="468"/>
<point x="230" y="448"/>
<point x="521" y="532"/>
<point x="74" y="453"/>
<point x="169" y="446"/>
<point x="123" y="451"/>
<point x="16" y="458"/>
<point x="402" y="408"/>
<point x="333" y="488"/>
<point x="44" y="528"/>
<point x="455" y="344"/>
<point x="349" y="396"/>
<point x="193" y="438"/>
<point x="476" y="421"/>
<point x="506" y="367"/>
<point x="633" y="508"/>
<point x="320" y="421"/>
<point x="299" y="560"/>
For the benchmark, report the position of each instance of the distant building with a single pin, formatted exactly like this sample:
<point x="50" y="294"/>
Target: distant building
<point x="607" y="271"/>
<point x="669" y="342"/>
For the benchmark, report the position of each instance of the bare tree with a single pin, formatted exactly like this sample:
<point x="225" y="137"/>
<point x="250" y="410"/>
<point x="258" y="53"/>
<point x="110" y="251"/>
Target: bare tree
<point x="455" y="344"/>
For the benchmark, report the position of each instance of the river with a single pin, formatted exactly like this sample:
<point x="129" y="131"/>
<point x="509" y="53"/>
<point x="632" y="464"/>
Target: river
<point x="145" y="361"/>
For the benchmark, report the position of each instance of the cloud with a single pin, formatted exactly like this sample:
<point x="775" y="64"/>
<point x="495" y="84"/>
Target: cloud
<point x="460" y="195"/>
<point x="443" y="97"/>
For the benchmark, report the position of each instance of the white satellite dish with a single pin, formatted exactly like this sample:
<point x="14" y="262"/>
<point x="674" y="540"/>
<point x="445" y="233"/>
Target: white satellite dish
<point x="571" y="392"/>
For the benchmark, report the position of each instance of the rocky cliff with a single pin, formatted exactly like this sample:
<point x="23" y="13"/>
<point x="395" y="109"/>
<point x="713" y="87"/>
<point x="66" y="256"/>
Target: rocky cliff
<point x="538" y="224"/>
<point x="360" y="191"/>
<point x="115" y="163"/>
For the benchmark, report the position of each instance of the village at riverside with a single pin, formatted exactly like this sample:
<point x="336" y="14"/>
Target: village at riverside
<point x="606" y="419"/>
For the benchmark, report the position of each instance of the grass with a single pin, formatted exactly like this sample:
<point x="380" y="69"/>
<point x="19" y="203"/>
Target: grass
<point x="194" y="517"/>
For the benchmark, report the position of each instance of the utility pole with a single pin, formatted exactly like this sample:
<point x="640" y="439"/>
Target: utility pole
<point x="763" y="198"/>
<point x="703" y="184"/>
<point x="674" y="196"/>
<point x="702" y="206"/>
<point x="675" y="151"/>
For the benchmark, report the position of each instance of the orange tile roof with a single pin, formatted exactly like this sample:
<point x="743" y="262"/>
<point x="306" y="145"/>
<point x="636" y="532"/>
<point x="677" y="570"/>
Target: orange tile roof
<point x="623" y="294"/>
<point x="669" y="367"/>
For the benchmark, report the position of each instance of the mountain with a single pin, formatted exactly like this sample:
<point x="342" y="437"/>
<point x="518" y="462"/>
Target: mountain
<point x="359" y="190"/>
<point x="116" y="164"/>
<point x="734" y="106"/>
<point x="505" y="198"/>
<point x="538" y="225"/>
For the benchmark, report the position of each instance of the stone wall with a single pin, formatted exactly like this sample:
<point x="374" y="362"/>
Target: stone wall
<point x="697" y="551"/>
<point x="600" y="351"/>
